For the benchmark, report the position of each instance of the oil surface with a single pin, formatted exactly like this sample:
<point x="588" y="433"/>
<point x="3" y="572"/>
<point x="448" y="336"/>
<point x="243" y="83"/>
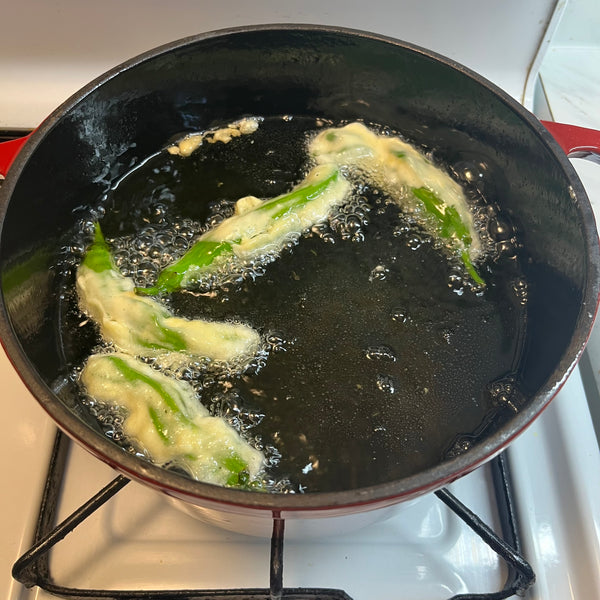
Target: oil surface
<point x="379" y="353"/>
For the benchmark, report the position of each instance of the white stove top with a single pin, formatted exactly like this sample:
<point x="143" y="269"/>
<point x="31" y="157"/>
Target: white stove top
<point x="423" y="551"/>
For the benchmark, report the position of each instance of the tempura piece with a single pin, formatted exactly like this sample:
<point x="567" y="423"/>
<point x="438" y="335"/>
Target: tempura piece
<point x="143" y="326"/>
<point x="257" y="228"/>
<point x="410" y="179"/>
<point x="165" y="420"/>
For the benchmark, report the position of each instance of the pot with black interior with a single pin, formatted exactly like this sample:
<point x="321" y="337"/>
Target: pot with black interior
<point x="386" y="374"/>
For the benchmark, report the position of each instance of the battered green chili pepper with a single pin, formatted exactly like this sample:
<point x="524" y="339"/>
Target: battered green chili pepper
<point x="145" y="327"/>
<point x="165" y="420"/>
<point x="409" y="178"/>
<point x="257" y="228"/>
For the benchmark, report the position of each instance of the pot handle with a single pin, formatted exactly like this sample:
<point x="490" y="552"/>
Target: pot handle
<point x="577" y="142"/>
<point x="8" y="153"/>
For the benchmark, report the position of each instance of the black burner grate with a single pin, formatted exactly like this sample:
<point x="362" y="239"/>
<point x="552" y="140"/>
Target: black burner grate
<point x="32" y="569"/>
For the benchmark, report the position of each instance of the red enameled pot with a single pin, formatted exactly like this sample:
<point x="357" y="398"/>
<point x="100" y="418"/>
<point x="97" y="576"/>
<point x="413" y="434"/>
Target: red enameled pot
<point x="70" y="160"/>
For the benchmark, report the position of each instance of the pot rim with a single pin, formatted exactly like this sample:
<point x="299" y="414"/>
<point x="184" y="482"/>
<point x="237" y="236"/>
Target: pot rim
<point x="359" y="498"/>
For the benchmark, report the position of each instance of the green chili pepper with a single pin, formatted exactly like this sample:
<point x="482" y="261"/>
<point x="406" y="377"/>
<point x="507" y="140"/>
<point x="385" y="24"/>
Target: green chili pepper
<point x="449" y="226"/>
<point x="199" y="257"/>
<point x="255" y="227"/>
<point x="98" y="257"/>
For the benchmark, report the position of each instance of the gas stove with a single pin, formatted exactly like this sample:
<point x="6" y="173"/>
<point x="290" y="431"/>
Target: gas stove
<point x="139" y="540"/>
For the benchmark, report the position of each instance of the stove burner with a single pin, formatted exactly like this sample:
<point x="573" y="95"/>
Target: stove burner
<point x="33" y="569"/>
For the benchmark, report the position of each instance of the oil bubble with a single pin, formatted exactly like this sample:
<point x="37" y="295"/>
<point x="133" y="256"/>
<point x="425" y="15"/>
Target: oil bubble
<point x="499" y="229"/>
<point x="447" y="335"/>
<point x="415" y="241"/>
<point x="401" y="230"/>
<point x="456" y="283"/>
<point x="460" y="445"/>
<point x="381" y="352"/>
<point x="277" y="342"/>
<point x="385" y="383"/>
<point x="323" y="232"/>
<point x="350" y="219"/>
<point x="472" y="172"/>
<point x="378" y="273"/>
<point x="519" y="287"/>
<point x="400" y="315"/>
<point x="504" y="392"/>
